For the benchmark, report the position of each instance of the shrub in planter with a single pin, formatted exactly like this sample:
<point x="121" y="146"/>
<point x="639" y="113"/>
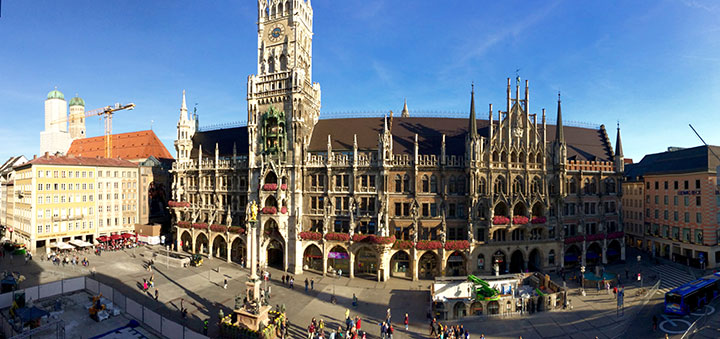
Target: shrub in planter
<point x="269" y="210"/>
<point x="520" y="220"/>
<point x="183" y="224"/>
<point x="218" y="228"/>
<point x="200" y="226"/>
<point x="403" y="245"/>
<point x="270" y="187"/>
<point x="538" y="220"/>
<point x="283" y="210"/>
<point x="236" y="229"/>
<point x="283" y="187"/>
<point x="457" y="245"/>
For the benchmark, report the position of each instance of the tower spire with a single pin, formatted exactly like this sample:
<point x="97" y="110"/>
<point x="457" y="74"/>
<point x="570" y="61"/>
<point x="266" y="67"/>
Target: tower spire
<point x="559" y="135"/>
<point x="405" y="113"/>
<point x="183" y="109"/>
<point x="473" y="119"/>
<point x="618" y="143"/>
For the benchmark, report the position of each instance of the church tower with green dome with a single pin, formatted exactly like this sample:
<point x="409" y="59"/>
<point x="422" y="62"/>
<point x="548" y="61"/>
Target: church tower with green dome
<point x="77" y="118"/>
<point x="55" y="138"/>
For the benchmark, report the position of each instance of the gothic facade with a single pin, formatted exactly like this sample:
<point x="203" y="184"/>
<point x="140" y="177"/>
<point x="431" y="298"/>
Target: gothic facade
<point x="395" y="196"/>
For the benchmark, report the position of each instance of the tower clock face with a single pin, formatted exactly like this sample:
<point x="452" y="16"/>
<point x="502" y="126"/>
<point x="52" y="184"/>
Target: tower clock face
<point x="277" y="32"/>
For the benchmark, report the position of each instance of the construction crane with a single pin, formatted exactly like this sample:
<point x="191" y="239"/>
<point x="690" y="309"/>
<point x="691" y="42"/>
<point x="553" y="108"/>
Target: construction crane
<point x="105" y="113"/>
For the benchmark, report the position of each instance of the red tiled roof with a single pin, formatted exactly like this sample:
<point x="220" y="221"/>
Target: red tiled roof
<point x="79" y="161"/>
<point x="130" y="146"/>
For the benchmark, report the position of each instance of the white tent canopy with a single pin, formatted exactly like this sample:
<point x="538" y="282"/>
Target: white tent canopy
<point x="80" y="243"/>
<point x="64" y="246"/>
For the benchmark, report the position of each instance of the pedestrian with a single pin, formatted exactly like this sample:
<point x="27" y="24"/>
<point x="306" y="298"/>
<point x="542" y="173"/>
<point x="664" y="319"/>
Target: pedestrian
<point x="321" y="328"/>
<point x="354" y="301"/>
<point x="390" y="331"/>
<point x="406" y="321"/>
<point x="615" y="292"/>
<point x="387" y="317"/>
<point x="655" y="322"/>
<point x="347" y="314"/>
<point x="311" y="331"/>
<point x="145" y="285"/>
<point x="283" y="279"/>
<point x="432" y="327"/>
<point x="357" y="322"/>
<point x="383" y="330"/>
<point x="312" y="284"/>
<point x="152" y="280"/>
<point x="292" y="283"/>
<point x="156" y="294"/>
<point x="225" y="284"/>
<point x="307" y="283"/>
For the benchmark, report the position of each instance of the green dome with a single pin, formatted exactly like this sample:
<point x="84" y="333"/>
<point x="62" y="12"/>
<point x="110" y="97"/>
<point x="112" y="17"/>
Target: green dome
<point x="55" y="94"/>
<point x="77" y="101"/>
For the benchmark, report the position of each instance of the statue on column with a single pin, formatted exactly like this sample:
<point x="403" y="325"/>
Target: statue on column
<point x="470" y="236"/>
<point x="353" y="208"/>
<point x="415" y="224"/>
<point x="327" y="216"/>
<point x="228" y="218"/>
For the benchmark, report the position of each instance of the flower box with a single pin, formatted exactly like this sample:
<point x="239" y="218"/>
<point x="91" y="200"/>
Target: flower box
<point x="270" y="187"/>
<point x="599" y="236"/>
<point x="283" y="210"/>
<point x="269" y="210"/>
<point x="332" y="236"/>
<point x="520" y="220"/>
<point x="183" y="224"/>
<point x="538" y="220"/>
<point x="403" y="245"/>
<point x="201" y="226"/>
<point x="501" y="220"/>
<point x="615" y="235"/>
<point x="178" y="203"/>
<point x="457" y="245"/>
<point x="374" y="239"/>
<point x="310" y="236"/>
<point x="236" y="230"/>
<point x="575" y="239"/>
<point x="429" y="245"/>
<point x="218" y="228"/>
<point x="283" y="187"/>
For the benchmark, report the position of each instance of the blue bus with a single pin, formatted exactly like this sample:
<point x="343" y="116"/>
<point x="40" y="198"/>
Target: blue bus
<point x="687" y="298"/>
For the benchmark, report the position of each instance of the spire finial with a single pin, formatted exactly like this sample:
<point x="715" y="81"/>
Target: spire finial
<point x="558" y="96"/>
<point x="472" y="86"/>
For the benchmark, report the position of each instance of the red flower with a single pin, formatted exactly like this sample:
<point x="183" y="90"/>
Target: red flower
<point x="269" y="210"/>
<point x="283" y="187"/>
<point x="457" y="245"/>
<point x="520" y="220"/>
<point x="183" y="224"/>
<point x="310" y="236"/>
<point x="178" y="203"/>
<point x="428" y="245"/>
<point x="236" y="229"/>
<point x="283" y="210"/>
<point x="200" y="226"/>
<point x="218" y="228"/>
<point x="614" y="235"/>
<point x="501" y="220"/>
<point x="571" y="240"/>
<point x="375" y="239"/>
<point x="403" y="245"/>
<point x="270" y="187"/>
<point x="337" y="236"/>
<point x="538" y="220"/>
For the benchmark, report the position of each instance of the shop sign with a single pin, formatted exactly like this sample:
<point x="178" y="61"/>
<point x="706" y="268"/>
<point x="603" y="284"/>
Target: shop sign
<point x="338" y="255"/>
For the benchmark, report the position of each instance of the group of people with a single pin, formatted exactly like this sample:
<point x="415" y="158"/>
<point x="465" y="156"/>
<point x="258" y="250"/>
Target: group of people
<point x="116" y="245"/>
<point x="352" y="330"/>
<point x="440" y="331"/>
<point x="65" y="259"/>
<point x="150" y="283"/>
<point x="289" y="281"/>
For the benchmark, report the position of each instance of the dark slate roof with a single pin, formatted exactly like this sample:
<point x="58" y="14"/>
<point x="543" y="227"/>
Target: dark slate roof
<point x="689" y="160"/>
<point x="225" y="138"/>
<point x="583" y="143"/>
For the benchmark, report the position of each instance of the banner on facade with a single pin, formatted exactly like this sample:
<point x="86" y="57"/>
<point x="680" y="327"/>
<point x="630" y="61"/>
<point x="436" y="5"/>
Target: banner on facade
<point x="338" y="255"/>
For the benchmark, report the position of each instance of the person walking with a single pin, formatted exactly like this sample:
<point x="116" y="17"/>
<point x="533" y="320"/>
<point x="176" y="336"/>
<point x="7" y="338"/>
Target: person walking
<point x="321" y="328"/>
<point x="311" y="331"/>
<point x="156" y="294"/>
<point x="292" y="283"/>
<point x="225" y="283"/>
<point x="406" y="321"/>
<point x="357" y="322"/>
<point x="145" y="285"/>
<point x="283" y="279"/>
<point x="354" y="301"/>
<point x="432" y="327"/>
<point x="383" y="330"/>
<point x="390" y="331"/>
<point x="312" y="284"/>
<point x="307" y="283"/>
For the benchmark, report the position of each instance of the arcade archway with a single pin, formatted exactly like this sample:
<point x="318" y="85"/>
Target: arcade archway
<point x="428" y="265"/>
<point x="573" y="256"/>
<point x="338" y="261"/>
<point x="366" y="263"/>
<point x="219" y="247"/>
<point x="275" y="254"/>
<point x="313" y="258"/>
<point x="400" y="264"/>
<point x="237" y="251"/>
<point x="535" y="262"/>
<point x="186" y="243"/>
<point x="201" y="244"/>
<point x="456" y="265"/>
<point x="517" y="262"/>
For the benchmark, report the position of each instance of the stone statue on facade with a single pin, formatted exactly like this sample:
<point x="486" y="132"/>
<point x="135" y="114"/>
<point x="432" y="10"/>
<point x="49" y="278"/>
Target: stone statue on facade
<point x="353" y="209"/>
<point x="441" y="234"/>
<point x="470" y="233"/>
<point x="228" y="218"/>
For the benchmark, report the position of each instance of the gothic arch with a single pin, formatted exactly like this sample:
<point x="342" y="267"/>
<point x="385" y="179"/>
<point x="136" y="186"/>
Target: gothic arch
<point x="500" y="186"/>
<point x="539" y="158"/>
<point x="537" y="185"/>
<point x="519" y="185"/>
<point x="537" y="209"/>
<point x="521" y="157"/>
<point x="482" y="186"/>
<point x="500" y="209"/>
<point x="572" y="186"/>
<point x="495" y="156"/>
<point x="513" y="157"/>
<point x="503" y="156"/>
<point x="520" y="209"/>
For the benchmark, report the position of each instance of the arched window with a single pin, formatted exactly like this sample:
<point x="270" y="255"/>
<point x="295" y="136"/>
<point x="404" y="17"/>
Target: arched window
<point x="482" y="186"/>
<point x="593" y="186"/>
<point x="539" y="158"/>
<point x="503" y="156"/>
<point x="513" y="157"/>
<point x="586" y="186"/>
<point x="518" y="186"/>
<point x="521" y="157"/>
<point x="398" y="184"/>
<point x="425" y="184"/>
<point x="537" y="186"/>
<point x="451" y="185"/>
<point x="433" y="184"/>
<point x="495" y="157"/>
<point x="609" y="185"/>
<point x="482" y="214"/>
<point x="572" y="186"/>
<point x="551" y="257"/>
<point x="406" y="183"/>
<point x="499" y="186"/>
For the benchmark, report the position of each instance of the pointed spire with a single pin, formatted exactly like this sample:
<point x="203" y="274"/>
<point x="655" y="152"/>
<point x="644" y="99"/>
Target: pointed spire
<point x="618" y="143"/>
<point x="385" y="127"/>
<point x="559" y="135"/>
<point x="183" y="109"/>
<point x="472" y="128"/>
<point x="405" y="113"/>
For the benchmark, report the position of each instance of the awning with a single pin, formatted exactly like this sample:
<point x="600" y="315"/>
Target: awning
<point x="115" y="237"/>
<point x="64" y="246"/>
<point x="80" y="243"/>
<point x="102" y="238"/>
<point x="127" y="235"/>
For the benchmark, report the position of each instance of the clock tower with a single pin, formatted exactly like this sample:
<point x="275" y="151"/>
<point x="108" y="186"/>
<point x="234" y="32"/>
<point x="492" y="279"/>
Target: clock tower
<point x="283" y="108"/>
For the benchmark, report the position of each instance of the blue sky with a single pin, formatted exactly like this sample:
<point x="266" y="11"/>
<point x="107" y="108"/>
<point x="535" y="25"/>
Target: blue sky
<point x="652" y="65"/>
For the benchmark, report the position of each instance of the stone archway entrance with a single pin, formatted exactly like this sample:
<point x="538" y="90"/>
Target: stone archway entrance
<point x="219" y="248"/>
<point x="572" y="256"/>
<point x="456" y="265"/>
<point x="237" y="251"/>
<point x="187" y="243"/>
<point x="400" y="264"/>
<point x="535" y="262"/>
<point x="338" y="261"/>
<point x="428" y="265"/>
<point x="201" y="244"/>
<point x="613" y="251"/>
<point x="493" y="307"/>
<point x="275" y="254"/>
<point x="459" y="310"/>
<point x="313" y="258"/>
<point x="476" y="308"/>
<point x="593" y="255"/>
<point x="517" y="262"/>
<point x="500" y="260"/>
<point x="366" y="263"/>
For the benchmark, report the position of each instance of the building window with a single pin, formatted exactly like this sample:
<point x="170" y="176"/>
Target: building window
<point x="425" y="185"/>
<point x="665" y="200"/>
<point x="697" y="200"/>
<point x="398" y="184"/>
<point x="675" y="199"/>
<point x="698" y="217"/>
<point x="687" y="200"/>
<point x="697" y="184"/>
<point x="675" y="216"/>
<point x="686" y="185"/>
<point x="665" y="214"/>
<point x="687" y="217"/>
<point x="676" y="184"/>
<point x="39" y="229"/>
<point x="433" y="184"/>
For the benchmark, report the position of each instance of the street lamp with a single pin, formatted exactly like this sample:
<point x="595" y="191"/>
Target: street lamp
<point x="582" y="276"/>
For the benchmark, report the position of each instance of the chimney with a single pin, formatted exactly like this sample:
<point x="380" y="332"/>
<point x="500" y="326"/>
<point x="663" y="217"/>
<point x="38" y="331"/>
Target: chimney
<point x="47" y="154"/>
<point x="34" y="156"/>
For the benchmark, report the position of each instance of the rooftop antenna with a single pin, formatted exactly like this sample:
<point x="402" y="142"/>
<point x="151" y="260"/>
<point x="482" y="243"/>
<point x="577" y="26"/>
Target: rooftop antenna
<point x="703" y="141"/>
